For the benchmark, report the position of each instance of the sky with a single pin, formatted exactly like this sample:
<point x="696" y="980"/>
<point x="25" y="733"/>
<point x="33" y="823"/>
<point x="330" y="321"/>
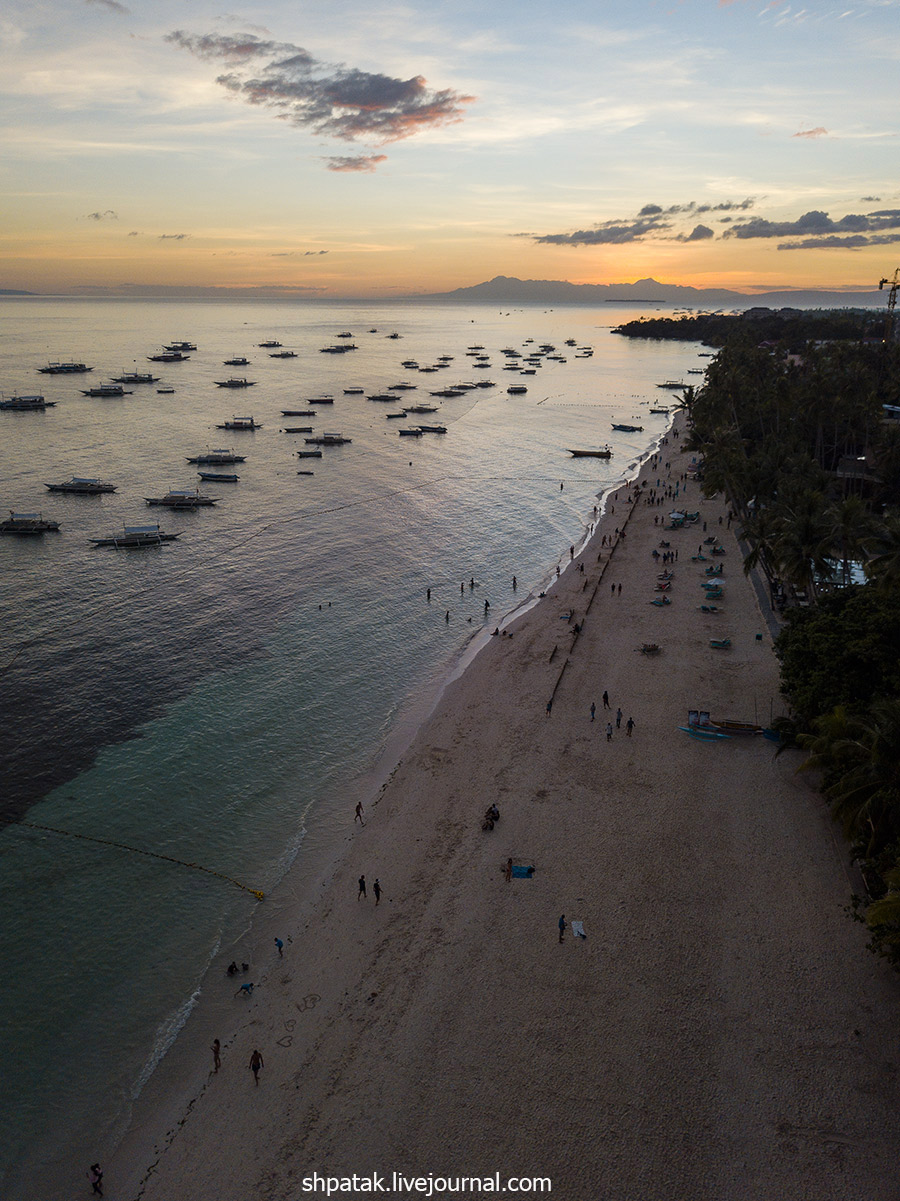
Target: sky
<point x="341" y="148"/>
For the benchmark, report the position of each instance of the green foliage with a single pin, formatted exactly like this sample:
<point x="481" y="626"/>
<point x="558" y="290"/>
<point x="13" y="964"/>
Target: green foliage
<point x="843" y="652"/>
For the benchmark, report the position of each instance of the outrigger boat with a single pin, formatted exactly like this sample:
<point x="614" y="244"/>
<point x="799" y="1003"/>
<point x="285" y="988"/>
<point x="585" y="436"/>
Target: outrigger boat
<point x="603" y="453"/>
<point x="182" y="498"/>
<point x="168" y="356"/>
<point x="136" y="536"/>
<point x="82" y="485"/>
<point x="22" y="404"/>
<point x="240" y="423"/>
<point x="105" y="390"/>
<point x="213" y="457"/>
<point x="216" y="478"/>
<point x="27" y="524"/>
<point x="235" y="382"/>
<point x="327" y="440"/>
<point x="628" y="429"/>
<point x="136" y="377"/>
<point x="64" y="369"/>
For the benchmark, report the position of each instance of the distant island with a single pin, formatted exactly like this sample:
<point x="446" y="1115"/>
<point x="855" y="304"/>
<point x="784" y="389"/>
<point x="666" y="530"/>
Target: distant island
<point x="16" y="292"/>
<point x="505" y="289"/>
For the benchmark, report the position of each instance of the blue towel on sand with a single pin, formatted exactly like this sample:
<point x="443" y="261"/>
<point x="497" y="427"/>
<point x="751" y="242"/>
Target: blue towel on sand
<point x="520" y="872"/>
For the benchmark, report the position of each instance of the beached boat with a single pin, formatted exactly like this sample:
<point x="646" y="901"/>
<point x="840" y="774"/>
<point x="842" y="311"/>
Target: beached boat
<point x="134" y="536"/>
<point x="603" y="453"/>
<point x="182" y="346"/>
<point x="215" y="477"/>
<point x="23" y="404"/>
<point x="82" y="486"/>
<point x="628" y="429"/>
<point x="136" y="377"/>
<point x="105" y="390"/>
<point x="27" y="524"/>
<point x="168" y="356"/>
<point x="182" y="498"/>
<point x="64" y="369"/>
<point x="240" y="423"/>
<point x="235" y="382"/>
<point x="239" y="360"/>
<point x="328" y="440"/>
<point x="212" y="457"/>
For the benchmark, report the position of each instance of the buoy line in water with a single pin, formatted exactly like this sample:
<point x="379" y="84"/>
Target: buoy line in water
<point x="123" y="846"/>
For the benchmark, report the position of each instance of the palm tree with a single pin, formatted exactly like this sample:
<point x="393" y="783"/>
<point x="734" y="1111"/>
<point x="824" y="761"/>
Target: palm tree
<point x="860" y="758"/>
<point x="884" y="546"/>
<point x="853" y="525"/>
<point x="803" y="541"/>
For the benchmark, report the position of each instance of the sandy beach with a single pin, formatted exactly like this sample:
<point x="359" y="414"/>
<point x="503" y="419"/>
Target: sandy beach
<point x="720" y="1033"/>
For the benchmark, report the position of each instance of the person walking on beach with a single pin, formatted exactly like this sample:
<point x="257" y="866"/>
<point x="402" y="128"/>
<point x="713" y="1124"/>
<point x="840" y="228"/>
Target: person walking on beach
<point x="256" y="1062"/>
<point x="362" y="887"/>
<point x="216" y="1048"/>
<point x="359" y="814"/>
<point x="96" y="1178"/>
<point x="606" y="700"/>
<point x="618" y="719"/>
<point x="562" y="926"/>
<point x="629" y="726"/>
<point x="376" y="888"/>
<point x="593" y="710"/>
<point x="280" y="945"/>
<point x="609" y="731"/>
<point x="549" y="706"/>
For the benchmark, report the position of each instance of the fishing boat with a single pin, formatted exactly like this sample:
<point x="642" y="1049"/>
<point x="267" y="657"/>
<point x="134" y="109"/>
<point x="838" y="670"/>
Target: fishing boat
<point x="603" y="453"/>
<point x="321" y="400"/>
<point x="662" y="410"/>
<point x="297" y="429"/>
<point x="182" y="498"/>
<point x="283" y="354"/>
<point x="235" y="382"/>
<point x="82" y="486"/>
<point x="297" y="413"/>
<point x="22" y="404"/>
<point x="212" y="457"/>
<point x="182" y="346"/>
<point x="401" y="387"/>
<point x="136" y="536"/>
<point x="239" y="360"/>
<point x="422" y="409"/>
<point x="628" y="429"/>
<point x="433" y="429"/>
<point x="164" y="391"/>
<point x="671" y="383"/>
<point x="516" y="390"/>
<point x="337" y="349"/>
<point x="240" y="423"/>
<point x="395" y="416"/>
<point x="105" y="390"/>
<point x="26" y="524"/>
<point x="270" y="344"/>
<point x="309" y="454"/>
<point x="410" y="433"/>
<point x="353" y="391"/>
<point x="136" y="377"/>
<point x="168" y="356"/>
<point x="328" y="440"/>
<point x="64" y="369"/>
<point x="306" y="473"/>
<point x="215" y="477"/>
<point x="383" y="397"/>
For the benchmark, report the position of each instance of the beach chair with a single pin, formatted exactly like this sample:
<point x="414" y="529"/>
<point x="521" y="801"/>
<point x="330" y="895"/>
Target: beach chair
<point x="710" y="609"/>
<point x="698" y="558"/>
<point x="720" y="644"/>
<point x="664" y="587"/>
<point x="660" y="601"/>
<point x="650" y="648"/>
<point x="714" y="593"/>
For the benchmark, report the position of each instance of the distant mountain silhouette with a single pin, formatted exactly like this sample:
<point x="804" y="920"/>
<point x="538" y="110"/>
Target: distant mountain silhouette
<point x="509" y="290"/>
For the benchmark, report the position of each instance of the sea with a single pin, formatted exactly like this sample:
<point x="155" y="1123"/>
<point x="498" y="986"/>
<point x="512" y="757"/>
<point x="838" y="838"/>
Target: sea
<point x="184" y="723"/>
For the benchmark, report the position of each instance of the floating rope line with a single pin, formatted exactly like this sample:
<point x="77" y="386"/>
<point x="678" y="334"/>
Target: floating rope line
<point x="123" y="846"/>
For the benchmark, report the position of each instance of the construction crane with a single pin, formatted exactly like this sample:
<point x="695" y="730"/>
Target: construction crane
<point x="892" y="304"/>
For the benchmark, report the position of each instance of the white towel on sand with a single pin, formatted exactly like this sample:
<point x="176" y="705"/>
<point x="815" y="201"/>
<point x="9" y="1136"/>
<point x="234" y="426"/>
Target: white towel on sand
<point x="578" y="928"/>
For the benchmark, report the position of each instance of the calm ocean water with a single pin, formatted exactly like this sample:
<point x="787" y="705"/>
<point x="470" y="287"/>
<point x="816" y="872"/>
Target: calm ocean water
<point x="216" y="699"/>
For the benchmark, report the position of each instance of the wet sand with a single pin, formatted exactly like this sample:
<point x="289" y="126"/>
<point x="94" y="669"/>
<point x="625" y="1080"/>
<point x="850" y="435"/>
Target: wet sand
<point x="721" y="1033"/>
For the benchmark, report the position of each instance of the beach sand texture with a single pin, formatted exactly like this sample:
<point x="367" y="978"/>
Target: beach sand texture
<point x="721" y="1034"/>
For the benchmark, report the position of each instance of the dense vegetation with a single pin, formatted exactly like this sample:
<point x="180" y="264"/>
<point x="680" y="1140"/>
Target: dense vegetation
<point x="794" y="327"/>
<point x="794" y="432"/>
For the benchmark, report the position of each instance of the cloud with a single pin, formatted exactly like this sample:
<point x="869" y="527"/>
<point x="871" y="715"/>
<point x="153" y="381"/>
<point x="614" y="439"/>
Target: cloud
<point x="290" y="254"/>
<point x="818" y="132"/>
<point x="173" y="237"/>
<point x="852" y="242"/>
<point x="816" y="224"/>
<point x="652" y="221"/>
<point x="106" y="215"/>
<point x="331" y="100"/>
<point x="133" y="233"/>
<point x="113" y="5"/>
<point x="355" y="162"/>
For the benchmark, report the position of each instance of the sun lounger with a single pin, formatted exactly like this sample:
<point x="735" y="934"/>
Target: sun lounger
<point x="522" y="872"/>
